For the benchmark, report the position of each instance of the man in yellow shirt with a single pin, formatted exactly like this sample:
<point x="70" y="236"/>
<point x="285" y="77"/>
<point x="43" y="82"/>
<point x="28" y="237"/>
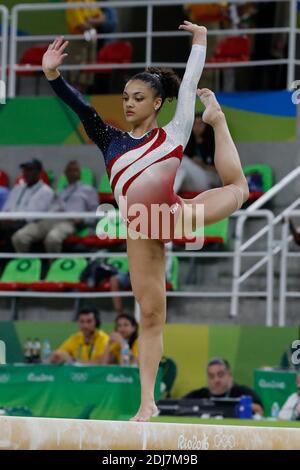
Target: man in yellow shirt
<point x="83" y="51"/>
<point x="86" y="346"/>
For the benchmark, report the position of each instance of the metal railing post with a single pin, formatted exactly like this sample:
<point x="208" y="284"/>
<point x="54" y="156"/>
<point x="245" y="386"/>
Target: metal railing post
<point x="270" y="275"/>
<point x="149" y="35"/>
<point x="13" y="52"/>
<point x="283" y="274"/>
<point x="4" y="39"/>
<point x="237" y="266"/>
<point x="292" y="43"/>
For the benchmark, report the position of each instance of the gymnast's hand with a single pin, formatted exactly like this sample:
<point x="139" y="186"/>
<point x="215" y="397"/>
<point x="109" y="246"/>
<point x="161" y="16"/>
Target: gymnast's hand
<point x="199" y="32"/>
<point x="54" y="57"/>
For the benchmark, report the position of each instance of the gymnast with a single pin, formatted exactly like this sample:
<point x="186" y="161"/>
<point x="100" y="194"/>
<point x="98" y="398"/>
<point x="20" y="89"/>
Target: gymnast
<point x="142" y="165"/>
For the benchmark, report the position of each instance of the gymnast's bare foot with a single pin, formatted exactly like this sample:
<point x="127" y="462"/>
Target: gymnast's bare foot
<point x="145" y="413"/>
<point x="213" y="112"/>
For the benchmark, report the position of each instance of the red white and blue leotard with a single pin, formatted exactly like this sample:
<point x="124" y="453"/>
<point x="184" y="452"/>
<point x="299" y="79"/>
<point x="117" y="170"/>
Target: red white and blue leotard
<point x="142" y="169"/>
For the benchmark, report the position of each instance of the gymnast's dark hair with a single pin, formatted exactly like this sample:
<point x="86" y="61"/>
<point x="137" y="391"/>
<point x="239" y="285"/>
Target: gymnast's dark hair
<point x="164" y="82"/>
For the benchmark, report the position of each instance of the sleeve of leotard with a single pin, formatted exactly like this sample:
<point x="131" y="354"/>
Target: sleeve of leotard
<point x="95" y="127"/>
<point x="180" y="127"/>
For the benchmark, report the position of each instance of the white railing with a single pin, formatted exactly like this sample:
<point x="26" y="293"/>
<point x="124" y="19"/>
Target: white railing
<point x="149" y="34"/>
<point x="273" y="248"/>
<point x="213" y="294"/>
<point x="3" y="42"/>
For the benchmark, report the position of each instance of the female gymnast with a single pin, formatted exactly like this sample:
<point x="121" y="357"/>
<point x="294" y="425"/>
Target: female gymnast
<point x="142" y="164"/>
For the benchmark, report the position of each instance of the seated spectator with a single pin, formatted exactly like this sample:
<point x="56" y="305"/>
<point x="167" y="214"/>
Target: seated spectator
<point x="121" y="281"/>
<point x="33" y="195"/>
<point x="4" y="192"/>
<point x="126" y="329"/>
<point x="198" y="173"/>
<point x="82" y="51"/>
<point x="88" y="345"/>
<point x="76" y="197"/>
<point x="221" y="385"/>
<point x="291" y="408"/>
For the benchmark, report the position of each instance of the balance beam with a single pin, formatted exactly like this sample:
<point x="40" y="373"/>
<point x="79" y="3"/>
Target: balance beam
<point x="21" y="433"/>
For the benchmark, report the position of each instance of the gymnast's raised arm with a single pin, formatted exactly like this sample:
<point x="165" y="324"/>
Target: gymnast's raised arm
<point x="181" y="125"/>
<point x="91" y="120"/>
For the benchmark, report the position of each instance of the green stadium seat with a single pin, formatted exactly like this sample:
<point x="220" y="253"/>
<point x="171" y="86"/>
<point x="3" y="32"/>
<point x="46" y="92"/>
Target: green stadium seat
<point x="168" y="375"/>
<point x="266" y="173"/>
<point x="20" y="274"/>
<point x="63" y="274"/>
<point x="214" y="233"/>
<point x="114" y="229"/>
<point x="172" y="284"/>
<point x="86" y="177"/>
<point x="121" y="263"/>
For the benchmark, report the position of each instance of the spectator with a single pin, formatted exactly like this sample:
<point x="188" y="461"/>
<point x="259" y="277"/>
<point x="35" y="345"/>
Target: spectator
<point x="88" y="345"/>
<point x="106" y="23"/>
<point x="126" y="329"/>
<point x="83" y="51"/>
<point x="121" y="281"/>
<point x="291" y="408"/>
<point x="221" y="385"/>
<point x="198" y="173"/>
<point x="76" y="197"/>
<point x="33" y="195"/>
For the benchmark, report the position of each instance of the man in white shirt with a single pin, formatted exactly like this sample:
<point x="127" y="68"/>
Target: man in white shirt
<point x="291" y="408"/>
<point x="76" y="197"/>
<point x="33" y="195"/>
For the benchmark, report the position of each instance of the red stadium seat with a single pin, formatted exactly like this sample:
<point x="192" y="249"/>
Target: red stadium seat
<point x="119" y="52"/>
<point x="32" y="56"/>
<point x="4" y="179"/>
<point x="232" y="49"/>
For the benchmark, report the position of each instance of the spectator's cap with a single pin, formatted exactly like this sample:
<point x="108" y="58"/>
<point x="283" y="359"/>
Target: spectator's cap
<point x="33" y="164"/>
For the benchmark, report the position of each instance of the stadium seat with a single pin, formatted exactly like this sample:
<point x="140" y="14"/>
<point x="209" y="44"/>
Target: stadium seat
<point x="121" y="263"/>
<point x="4" y="181"/>
<point x="266" y="173"/>
<point x="214" y="233"/>
<point x="32" y="56"/>
<point x="113" y="228"/>
<point x="105" y="191"/>
<point x="20" y="274"/>
<point x="118" y="52"/>
<point x="86" y="177"/>
<point x="168" y="375"/>
<point x="63" y="274"/>
<point x="172" y="284"/>
<point x="232" y="49"/>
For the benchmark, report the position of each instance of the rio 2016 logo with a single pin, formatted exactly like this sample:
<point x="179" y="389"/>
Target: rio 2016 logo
<point x="2" y="92"/>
